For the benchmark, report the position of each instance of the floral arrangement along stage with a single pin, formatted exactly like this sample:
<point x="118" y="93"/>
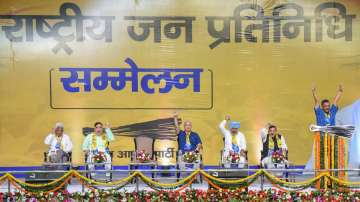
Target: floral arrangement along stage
<point x="143" y="157"/>
<point x="233" y="157"/>
<point x="277" y="157"/>
<point x="188" y="195"/>
<point x="222" y="190"/>
<point x="191" y="157"/>
<point x="99" y="157"/>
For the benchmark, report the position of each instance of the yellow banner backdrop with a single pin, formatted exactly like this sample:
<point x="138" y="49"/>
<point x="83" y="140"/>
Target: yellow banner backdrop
<point x="254" y="60"/>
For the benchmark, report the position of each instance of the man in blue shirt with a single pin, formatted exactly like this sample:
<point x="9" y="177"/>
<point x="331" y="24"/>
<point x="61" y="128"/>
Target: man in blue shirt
<point x="325" y="115"/>
<point x="188" y="140"/>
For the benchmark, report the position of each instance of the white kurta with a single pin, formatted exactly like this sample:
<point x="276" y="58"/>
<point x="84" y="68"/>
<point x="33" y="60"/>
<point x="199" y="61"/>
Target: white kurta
<point x="65" y="142"/>
<point x="240" y="138"/>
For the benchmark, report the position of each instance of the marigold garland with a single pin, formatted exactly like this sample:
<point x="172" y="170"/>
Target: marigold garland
<point x="62" y="181"/>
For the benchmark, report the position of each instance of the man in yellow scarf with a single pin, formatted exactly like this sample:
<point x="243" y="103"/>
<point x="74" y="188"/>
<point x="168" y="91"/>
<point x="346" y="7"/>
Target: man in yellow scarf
<point x="234" y="141"/>
<point x="274" y="142"/>
<point x="97" y="143"/>
<point x="188" y="141"/>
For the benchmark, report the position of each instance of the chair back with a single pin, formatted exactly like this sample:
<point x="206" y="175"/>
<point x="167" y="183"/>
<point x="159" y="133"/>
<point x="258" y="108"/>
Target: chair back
<point x="144" y="143"/>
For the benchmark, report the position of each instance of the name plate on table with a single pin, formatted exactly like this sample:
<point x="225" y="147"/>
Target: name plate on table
<point x="230" y="174"/>
<point x="42" y="177"/>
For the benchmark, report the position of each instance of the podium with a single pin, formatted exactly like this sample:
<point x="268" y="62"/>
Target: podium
<point x="331" y="152"/>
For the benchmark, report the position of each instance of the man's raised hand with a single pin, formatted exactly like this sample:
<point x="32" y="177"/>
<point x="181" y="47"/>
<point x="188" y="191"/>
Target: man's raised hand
<point x="341" y="89"/>
<point x="313" y="89"/>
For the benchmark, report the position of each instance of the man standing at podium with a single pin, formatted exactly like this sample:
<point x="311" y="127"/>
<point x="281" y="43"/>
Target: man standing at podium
<point x="325" y="115"/>
<point x="96" y="146"/>
<point x="329" y="149"/>
<point x="235" y="143"/>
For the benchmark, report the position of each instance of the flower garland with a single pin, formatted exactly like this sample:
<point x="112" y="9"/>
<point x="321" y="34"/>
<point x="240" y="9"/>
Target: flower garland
<point x="185" y="196"/>
<point x="259" y="172"/>
<point x="180" y="185"/>
<point x="294" y="185"/>
<point x="220" y="186"/>
<point x="94" y="141"/>
<point x="171" y="185"/>
<point x="331" y="152"/>
<point x="64" y="177"/>
<point x="82" y="178"/>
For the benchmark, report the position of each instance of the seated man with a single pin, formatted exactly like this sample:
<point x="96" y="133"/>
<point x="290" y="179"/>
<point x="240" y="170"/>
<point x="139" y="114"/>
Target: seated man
<point x="188" y="142"/>
<point x="274" y="144"/>
<point x="59" y="145"/>
<point x="235" y="144"/>
<point x="96" y="146"/>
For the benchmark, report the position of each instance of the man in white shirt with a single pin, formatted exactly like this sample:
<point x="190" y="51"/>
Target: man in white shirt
<point x="59" y="144"/>
<point x="235" y="142"/>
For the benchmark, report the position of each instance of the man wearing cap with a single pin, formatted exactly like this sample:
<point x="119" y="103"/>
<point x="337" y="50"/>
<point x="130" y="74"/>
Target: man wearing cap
<point x="234" y="140"/>
<point x="59" y="144"/>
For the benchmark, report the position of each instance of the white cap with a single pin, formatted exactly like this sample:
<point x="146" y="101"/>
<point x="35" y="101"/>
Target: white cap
<point x="59" y="125"/>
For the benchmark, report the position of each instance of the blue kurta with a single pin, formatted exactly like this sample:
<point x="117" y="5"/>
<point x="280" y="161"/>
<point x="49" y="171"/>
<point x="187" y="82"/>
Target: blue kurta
<point x="194" y="141"/>
<point x="324" y="119"/>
